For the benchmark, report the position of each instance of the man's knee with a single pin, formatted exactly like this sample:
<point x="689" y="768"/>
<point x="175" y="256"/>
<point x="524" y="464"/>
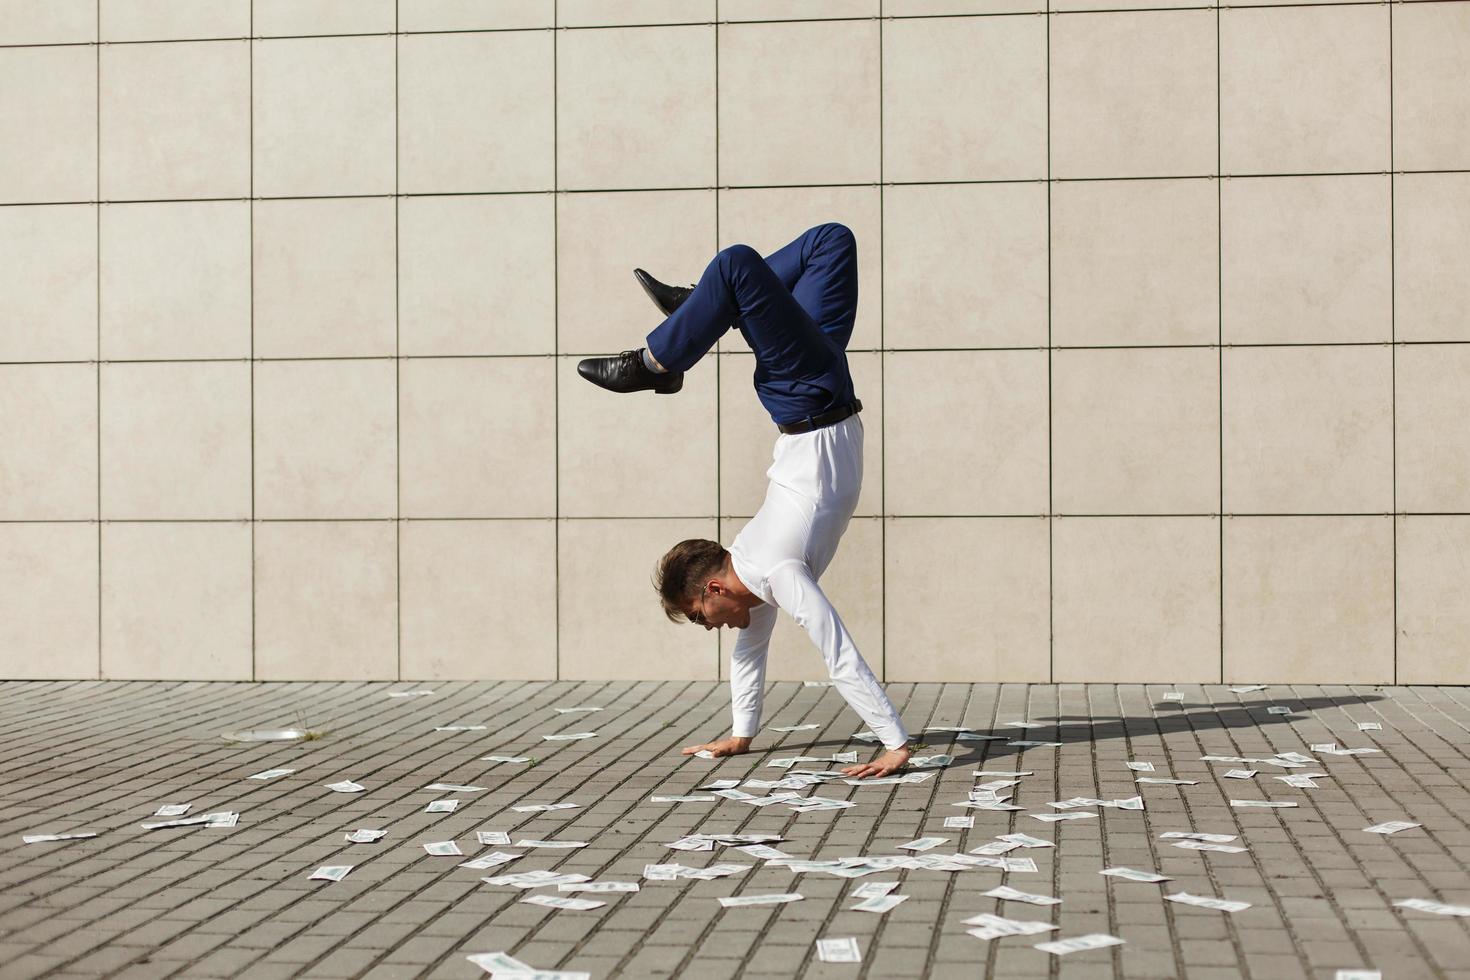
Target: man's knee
<point x="739" y="255"/>
<point x="835" y="236"/>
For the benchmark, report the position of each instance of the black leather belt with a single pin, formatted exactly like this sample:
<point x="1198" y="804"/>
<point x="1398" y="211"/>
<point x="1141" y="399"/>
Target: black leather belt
<point x="813" y="422"/>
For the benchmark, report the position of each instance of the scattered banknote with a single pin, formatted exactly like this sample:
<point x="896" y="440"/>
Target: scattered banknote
<point x="735" y="794"/>
<point x="1221" y="904"/>
<point x="1075" y="802"/>
<point x="1391" y="827"/>
<point x="1358" y="975"/>
<point x="1438" y="908"/>
<point x="442" y="806"/>
<point x="788" y="761"/>
<point x="923" y="844"/>
<point x="882" y="903"/>
<point x="1229" y="758"/>
<point x="461" y="728"/>
<point x="763" y="851"/>
<point x="874" y="889"/>
<point x="46" y="838"/>
<point x="681" y="799"/>
<point x="1192" y="835"/>
<point x="839" y="950"/>
<point x="1248" y="689"/>
<point x="364" y="836"/>
<point x="1241" y="773"/>
<point x="1054" y="817"/>
<point x="1001" y="772"/>
<point x="557" y="902"/>
<point x="550" y="843"/>
<point x="345" y="786"/>
<point x="1170" y="782"/>
<point x="1096" y="940"/>
<point x="173" y="809"/>
<point x="995" y="926"/>
<point x="1369" y="726"/>
<point x="499" y="837"/>
<point x="721" y="784"/>
<point x="1010" y="894"/>
<point x="1026" y="744"/>
<point x="570" y="711"/>
<point x="1277" y="709"/>
<point x="810" y="803"/>
<point x="1204" y="845"/>
<point x="271" y="774"/>
<point x="692" y="844"/>
<point x="1131" y="803"/>
<point x="1173" y="696"/>
<point x="952" y="729"/>
<point x="222" y="819"/>
<point x="1328" y="747"/>
<point x="1300" y="781"/>
<point x="451" y="788"/>
<point x="1260" y="803"/>
<point x="995" y="784"/>
<point x="534" y="879"/>
<point x="1353" y="752"/>
<point x="908" y="777"/>
<point x="958" y="823"/>
<point x="1132" y="874"/>
<point x="866" y="737"/>
<point x="1026" y="840"/>
<point x="662" y="872"/>
<point x="568" y="738"/>
<point x="743" y="901"/>
<point x="330" y="872"/>
<point x="794" y="728"/>
<point x="849" y="757"/>
<point x="444" y="848"/>
<point x="409" y="694"/>
<point x="705" y="754"/>
<point x="987" y="805"/>
<point x="504" y="758"/>
<point x="994" y="848"/>
<point x="977" y="737"/>
<point x="1140" y="766"/>
<point x="500" y="963"/>
<point x="544" y="807"/>
<point x="492" y="860"/>
<point x="598" y="887"/>
<point x="1025" y="724"/>
<point x="715" y="871"/>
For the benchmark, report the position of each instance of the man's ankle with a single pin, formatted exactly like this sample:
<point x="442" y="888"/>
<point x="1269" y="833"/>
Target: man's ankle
<point x="652" y="364"/>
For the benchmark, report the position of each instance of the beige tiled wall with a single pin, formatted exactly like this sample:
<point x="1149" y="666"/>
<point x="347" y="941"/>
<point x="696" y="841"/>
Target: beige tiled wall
<point x="1162" y="341"/>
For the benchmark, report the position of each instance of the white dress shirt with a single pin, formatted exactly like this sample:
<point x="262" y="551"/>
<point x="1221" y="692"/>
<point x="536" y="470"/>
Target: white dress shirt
<point x="779" y="556"/>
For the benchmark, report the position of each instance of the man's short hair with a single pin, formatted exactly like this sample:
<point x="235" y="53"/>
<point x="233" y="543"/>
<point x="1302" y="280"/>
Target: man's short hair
<point x="682" y="573"/>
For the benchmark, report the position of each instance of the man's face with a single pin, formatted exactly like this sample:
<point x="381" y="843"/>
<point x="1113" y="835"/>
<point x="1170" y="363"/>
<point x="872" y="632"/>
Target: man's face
<point x="718" y="608"/>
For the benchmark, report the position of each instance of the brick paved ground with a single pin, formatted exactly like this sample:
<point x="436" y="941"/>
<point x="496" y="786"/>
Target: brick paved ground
<point x="201" y="902"/>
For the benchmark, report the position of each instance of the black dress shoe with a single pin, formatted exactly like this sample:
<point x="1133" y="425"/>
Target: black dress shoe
<point x="627" y="372"/>
<point x="666" y="298"/>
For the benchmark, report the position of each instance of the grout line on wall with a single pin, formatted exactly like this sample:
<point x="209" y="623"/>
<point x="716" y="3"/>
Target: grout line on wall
<point x="1393" y="398"/>
<point x="97" y="214"/>
<point x="882" y="379"/>
<point x="1220" y="338"/>
<point x="397" y="365"/>
<point x="556" y="343"/>
<point x="1051" y="596"/>
<point x="251" y="203"/>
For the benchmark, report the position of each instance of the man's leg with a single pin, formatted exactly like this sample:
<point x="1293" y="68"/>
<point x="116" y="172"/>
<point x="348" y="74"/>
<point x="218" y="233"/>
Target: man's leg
<point x="820" y="270"/>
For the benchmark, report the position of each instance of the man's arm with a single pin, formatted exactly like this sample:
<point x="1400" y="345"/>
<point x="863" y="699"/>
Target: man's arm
<point x="795" y="590"/>
<point x="747" y="683"/>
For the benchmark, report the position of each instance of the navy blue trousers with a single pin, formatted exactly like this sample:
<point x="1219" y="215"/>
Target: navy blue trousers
<point x="795" y="309"/>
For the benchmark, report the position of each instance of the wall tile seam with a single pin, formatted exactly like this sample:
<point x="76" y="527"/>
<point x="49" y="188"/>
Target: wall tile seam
<point x="869" y="516"/>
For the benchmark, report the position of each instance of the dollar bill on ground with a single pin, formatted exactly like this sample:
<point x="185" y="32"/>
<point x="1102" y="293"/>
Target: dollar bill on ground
<point x="1438" y="908"/>
<point x="550" y="843"/>
<point x="492" y="860"/>
<point x="534" y="879"/>
<point x="1193" y="835"/>
<point x="345" y="786"/>
<point x="1173" y="696"/>
<point x="1031" y="745"/>
<point x="882" y="903"/>
<point x="693" y="843"/>
<point x="47" y="838"/>
<point x="497" y="837"/>
<point x="443" y="848"/>
<point x="997" y="784"/>
<point x="222" y="818"/>
<point x="1241" y="774"/>
<point x="598" y="887"/>
<point x="839" y="950"/>
<point x="225" y="819"/>
<point x="544" y="807"/>
<point x="978" y="737"/>
<point x="764" y="852"/>
<point x="995" y="926"/>
<point x="442" y="806"/>
<point x="558" y="902"/>
<point x="504" y="758"/>
<point x="1169" y="782"/>
<point x="1248" y="689"/>
<point x="1204" y="902"/>
<point x="173" y="809"/>
<point x="721" y="784"/>
<point x="461" y="728"/>
<point x="1074" y="802"/>
<point x="1136" y="802"/>
<point x="682" y="799"/>
<point x="571" y="711"/>
<point x="1203" y="845"/>
<point x="571" y="737"/>
<point x="994" y="848"/>
<point x="716" y="871"/>
<point x="1391" y="827"/>
<point x="794" y="728"/>
<point x="743" y="901"/>
<point x="1357" y="975"/>
<point x="365" y="836"/>
<point x="1300" y="781"/>
<point x="500" y="962"/>
<point x="1328" y="747"/>
<point x="1002" y="772"/>
<point x="874" y="889"/>
<point x="662" y="872"/>
<point x="330" y="872"/>
<point x="1278" y="709"/>
<point x="923" y="844"/>
<point x="1369" y="726"/>
<point x="1140" y="766"/>
<point x="1133" y="874"/>
<point x="1026" y="840"/>
<point x="1358" y="751"/>
<point x="705" y="754"/>
<point x="409" y="694"/>
<point x="1007" y="893"/>
<point x="1269" y="804"/>
<point x="1054" y="817"/>
<point x="958" y="823"/>
<point x="271" y="774"/>
<point x="1095" y="940"/>
<point x="452" y="788"/>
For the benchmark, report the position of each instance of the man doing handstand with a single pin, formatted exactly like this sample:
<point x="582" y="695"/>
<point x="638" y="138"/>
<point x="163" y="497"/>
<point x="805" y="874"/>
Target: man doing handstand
<point x="795" y="308"/>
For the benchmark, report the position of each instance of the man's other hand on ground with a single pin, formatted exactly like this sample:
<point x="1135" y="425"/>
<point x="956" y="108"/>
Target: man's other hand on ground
<point x="885" y="765"/>
<point x="725" y="746"/>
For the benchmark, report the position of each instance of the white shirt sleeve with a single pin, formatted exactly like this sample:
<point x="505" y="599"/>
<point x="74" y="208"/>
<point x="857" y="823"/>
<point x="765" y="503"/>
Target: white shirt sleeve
<point x="748" y="671"/>
<point x="795" y="590"/>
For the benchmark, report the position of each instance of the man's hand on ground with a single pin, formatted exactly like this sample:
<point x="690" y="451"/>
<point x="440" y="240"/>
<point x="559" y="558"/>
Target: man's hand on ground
<point x="725" y="746"/>
<point x="885" y="765"/>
